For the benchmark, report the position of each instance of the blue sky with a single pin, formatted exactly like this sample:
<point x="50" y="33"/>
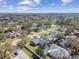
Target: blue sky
<point x="39" y="6"/>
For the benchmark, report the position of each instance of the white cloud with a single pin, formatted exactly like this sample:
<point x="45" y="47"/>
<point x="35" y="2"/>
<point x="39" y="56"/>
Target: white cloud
<point x="52" y="4"/>
<point x="5" y="6"/>
<point x="4" y="2"/>
<point x="22" y="8"/>
<point x="1" y="0"/>
<point x="37" y="1"/>
<point x="25" y="8"/>
<point x="11" y="7"/>
<point x="72" y="10"/>
<point x="25" y="2"/>
<point x="29" y="2"/>
<point x="65" y="2"/>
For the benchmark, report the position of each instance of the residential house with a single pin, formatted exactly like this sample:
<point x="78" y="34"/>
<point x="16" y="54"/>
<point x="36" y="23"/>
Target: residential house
<point x="62" y="29"/>
<point x="54" y="34"/>
<point x="34" y="25"/>
<point x="12" y="34"/>
<point x="76" y="32"/>
<point x="35" y="41"/>
<point x="41" y="40"/>
<point x="56" y="52"/>
<point x="70" y="39"/>
<point x="61" y="43"/>
<point x="44" y="40"/>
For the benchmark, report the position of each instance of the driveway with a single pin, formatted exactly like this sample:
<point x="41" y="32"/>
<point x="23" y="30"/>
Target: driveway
<point x="21" y="55"/>
<point x="15" y="40"/>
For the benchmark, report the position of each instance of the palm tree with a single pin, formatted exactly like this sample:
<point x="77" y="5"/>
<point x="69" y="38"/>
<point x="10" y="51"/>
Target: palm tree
<point x="6" y="51"/>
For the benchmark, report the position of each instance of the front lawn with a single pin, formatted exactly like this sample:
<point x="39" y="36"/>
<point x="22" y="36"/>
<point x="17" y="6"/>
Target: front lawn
<point x="27" y="39"/>
<point x="33" y="48"/>
<point x="44" y="34"/>
<point x="8" y="40"/>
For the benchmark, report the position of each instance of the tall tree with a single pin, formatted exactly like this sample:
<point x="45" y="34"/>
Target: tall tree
<point x="6" y="51"/>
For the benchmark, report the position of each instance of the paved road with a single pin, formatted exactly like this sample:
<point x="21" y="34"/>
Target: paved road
<point x="21" y="55"/>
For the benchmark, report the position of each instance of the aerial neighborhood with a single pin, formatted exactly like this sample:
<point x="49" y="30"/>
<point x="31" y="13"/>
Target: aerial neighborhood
<point x="39" y="37"/>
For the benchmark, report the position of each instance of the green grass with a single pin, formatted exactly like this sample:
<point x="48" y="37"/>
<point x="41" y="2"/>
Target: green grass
<point x="27" y="39"/>
<point x="27" y="52"/>
<point x="31" y="33"/>
<point x="44" y="34"/>
<point x="33" y="48"/>
<point x="8" y="40"/>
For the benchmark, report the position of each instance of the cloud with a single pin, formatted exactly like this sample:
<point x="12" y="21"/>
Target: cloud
<point x="72" y="10"/>
<point x="26" y="8"/>
<point x="25" y="2"/>
<point x="5" y="6"/>
<point x="22" y="8"/>
<point x="29" y="2"/>
<point x="52" y="4"/>
<point x="1" y="0"/>
<point x="11" y="7"/>
<point x="65" y="2"/>
<point x="4" y="2"/>
<point x="37" y="1"/>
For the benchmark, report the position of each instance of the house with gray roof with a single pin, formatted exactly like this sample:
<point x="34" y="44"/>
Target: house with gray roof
<point x="41" y="40"/>
<point x="76" y="32"/>
<point x="56" y="52"/>
<point x="35" y="41"/>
